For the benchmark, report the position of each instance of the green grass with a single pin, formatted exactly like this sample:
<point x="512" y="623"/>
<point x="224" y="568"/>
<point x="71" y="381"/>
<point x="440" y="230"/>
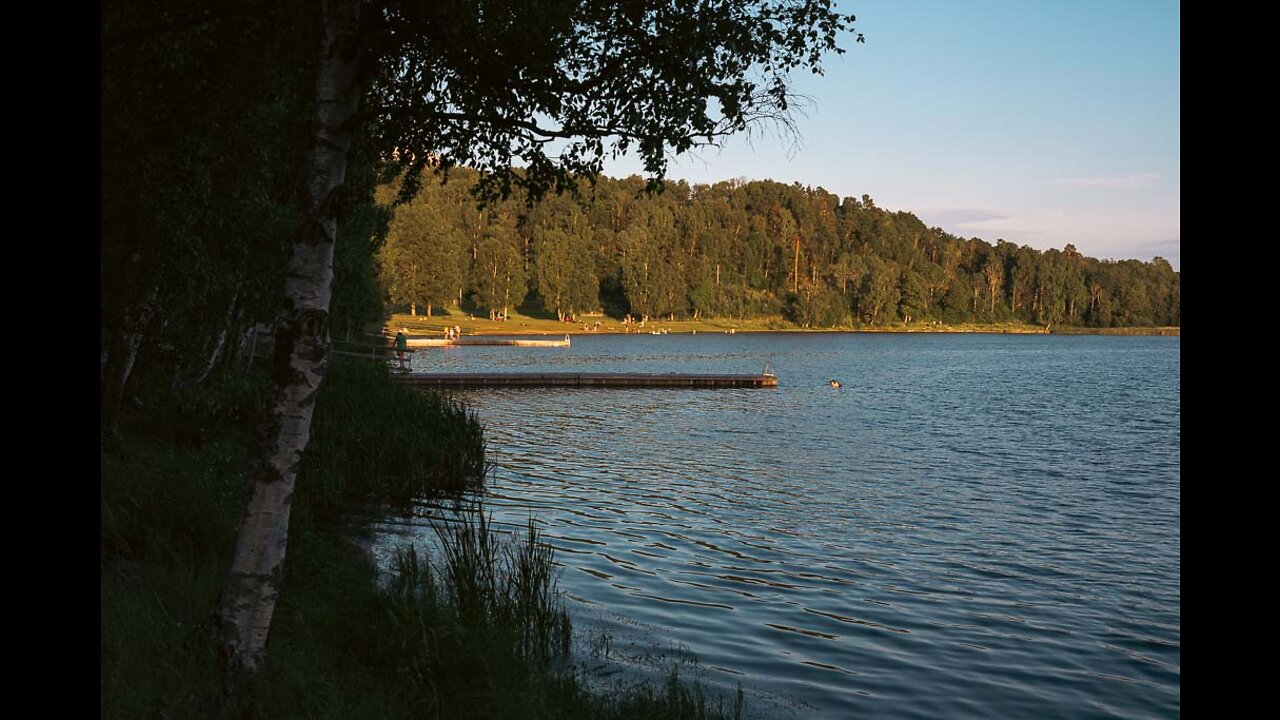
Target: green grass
<point x="477" y="630"/>
<point x="374" y="441"/>
<point x="520" y="324"/>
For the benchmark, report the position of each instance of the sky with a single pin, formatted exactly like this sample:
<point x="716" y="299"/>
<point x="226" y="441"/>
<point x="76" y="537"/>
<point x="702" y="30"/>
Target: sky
<point x="1040" y="122"/>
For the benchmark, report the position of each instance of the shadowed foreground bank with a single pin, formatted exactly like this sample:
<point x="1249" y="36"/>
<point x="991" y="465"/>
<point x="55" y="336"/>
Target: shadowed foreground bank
<point x="478" y="631"/>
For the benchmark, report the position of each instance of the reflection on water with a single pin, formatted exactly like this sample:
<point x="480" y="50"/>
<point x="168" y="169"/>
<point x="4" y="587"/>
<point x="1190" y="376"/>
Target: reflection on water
<point x="971" y="526"/>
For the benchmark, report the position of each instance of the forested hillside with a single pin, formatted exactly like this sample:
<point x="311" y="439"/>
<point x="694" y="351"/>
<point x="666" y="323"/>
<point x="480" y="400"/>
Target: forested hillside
<point x="745" y="249"/>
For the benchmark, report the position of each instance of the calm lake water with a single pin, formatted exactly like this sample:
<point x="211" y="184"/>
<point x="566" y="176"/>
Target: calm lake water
<point x="972" y="526"/>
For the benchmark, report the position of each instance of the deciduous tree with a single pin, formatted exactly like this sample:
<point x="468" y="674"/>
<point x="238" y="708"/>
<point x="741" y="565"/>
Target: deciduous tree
<point x="533" y="94"/>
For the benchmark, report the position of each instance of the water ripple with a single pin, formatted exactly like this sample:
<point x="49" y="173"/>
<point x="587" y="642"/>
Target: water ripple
<point x="973" y="526"/>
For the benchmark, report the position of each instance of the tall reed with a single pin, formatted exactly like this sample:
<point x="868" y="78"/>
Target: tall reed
<point x="373" y="440"/>
<point x="478" y="631"/>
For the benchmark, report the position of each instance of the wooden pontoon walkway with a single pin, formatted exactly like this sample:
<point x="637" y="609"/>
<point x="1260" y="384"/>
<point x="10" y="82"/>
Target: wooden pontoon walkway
<point x="514" y="342"/>
<point x="600" y="380"/>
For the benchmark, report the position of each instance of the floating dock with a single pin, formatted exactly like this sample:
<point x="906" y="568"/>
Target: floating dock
<point x="460" y="342"/>
<point x="599" y="380"/>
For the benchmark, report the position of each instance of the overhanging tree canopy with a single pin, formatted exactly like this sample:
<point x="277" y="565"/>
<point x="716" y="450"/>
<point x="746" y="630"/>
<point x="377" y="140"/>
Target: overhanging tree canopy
<point x="554" y="85"/>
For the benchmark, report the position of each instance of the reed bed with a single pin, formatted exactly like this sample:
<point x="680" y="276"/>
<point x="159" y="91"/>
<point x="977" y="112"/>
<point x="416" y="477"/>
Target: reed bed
<point x="476" y="629"/>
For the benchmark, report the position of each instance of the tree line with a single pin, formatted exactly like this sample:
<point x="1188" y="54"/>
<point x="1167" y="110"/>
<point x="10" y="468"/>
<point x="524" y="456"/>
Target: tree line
<point x="739" y="249"/>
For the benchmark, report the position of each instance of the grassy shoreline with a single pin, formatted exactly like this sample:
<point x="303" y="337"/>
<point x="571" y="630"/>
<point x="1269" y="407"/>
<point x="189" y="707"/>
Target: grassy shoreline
<point x="520" y="324"/>
<point x="478" y="630"/>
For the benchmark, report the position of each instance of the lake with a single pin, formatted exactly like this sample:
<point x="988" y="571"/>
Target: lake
<point x="972" y="526"/>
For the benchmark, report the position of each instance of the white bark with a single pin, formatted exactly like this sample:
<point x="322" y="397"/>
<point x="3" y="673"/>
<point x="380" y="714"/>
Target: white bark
<point x="123" y="351"/>
<point x="251" y="342"/>
<point x="219" y="342"/>
<point x="301" y="352"/>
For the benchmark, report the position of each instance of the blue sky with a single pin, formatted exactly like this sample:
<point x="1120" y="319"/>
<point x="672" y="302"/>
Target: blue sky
<point x="1042" y="122"/>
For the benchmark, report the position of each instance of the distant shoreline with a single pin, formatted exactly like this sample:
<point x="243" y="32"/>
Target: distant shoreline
<point x="421" y="325"/>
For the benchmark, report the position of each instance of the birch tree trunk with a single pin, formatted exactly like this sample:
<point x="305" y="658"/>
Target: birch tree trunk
<point x="201" y="373"/>
<point x="245" y="608"/>
<point x="121" y="354"/>
<point x="249" y="346"/>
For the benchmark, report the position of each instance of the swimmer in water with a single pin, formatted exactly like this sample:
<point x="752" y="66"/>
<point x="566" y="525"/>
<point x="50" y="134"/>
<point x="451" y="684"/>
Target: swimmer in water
<point x="835" y="383"/>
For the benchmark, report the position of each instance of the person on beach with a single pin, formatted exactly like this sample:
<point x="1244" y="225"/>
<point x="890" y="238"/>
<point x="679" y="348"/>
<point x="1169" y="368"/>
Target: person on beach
<point x="402" y="344"/>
